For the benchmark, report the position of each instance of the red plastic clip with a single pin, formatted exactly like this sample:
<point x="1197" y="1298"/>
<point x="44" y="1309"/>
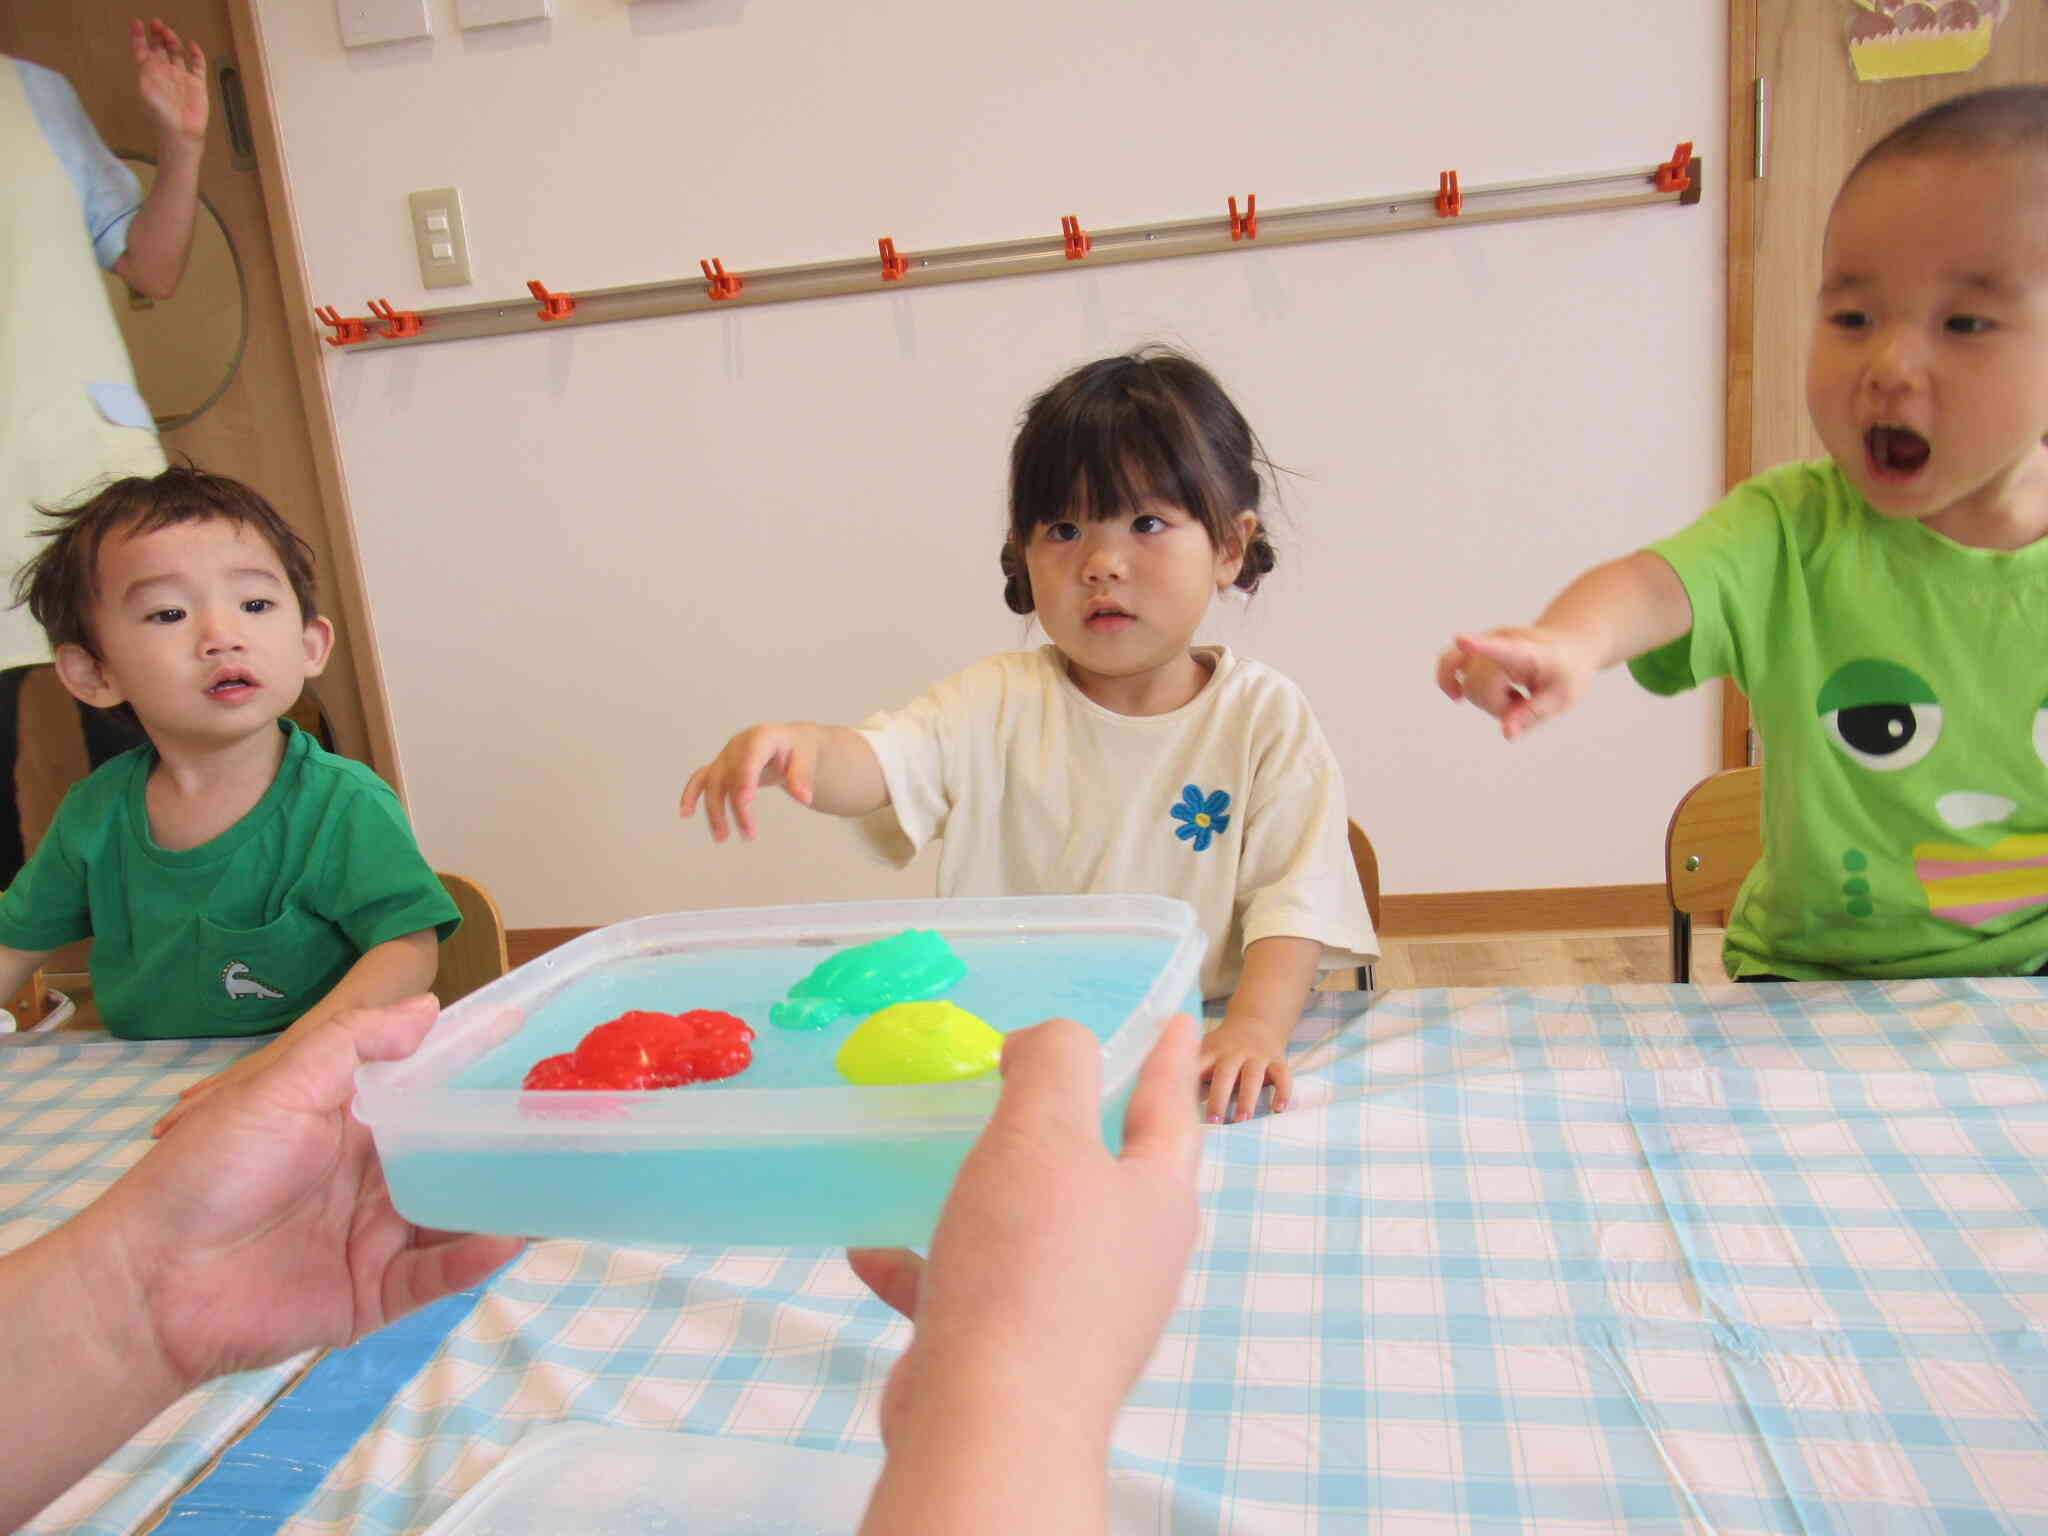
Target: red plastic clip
<point x="893" y="266"/>
<point x="722" y="284"/>
<point x="348" y="329"/>
<point x="553" y="306"/>
<point x="1078" y="243"/>
<point x="397" y="322"/>
<point x="1674" y="175"/>
<point x="1450" y="202"/>
<point x="1246" y="228"/>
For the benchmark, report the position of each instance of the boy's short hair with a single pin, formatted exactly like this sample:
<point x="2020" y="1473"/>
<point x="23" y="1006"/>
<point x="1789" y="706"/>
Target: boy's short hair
<point x="58" y="582"/>
<point x="2008" y="117"/>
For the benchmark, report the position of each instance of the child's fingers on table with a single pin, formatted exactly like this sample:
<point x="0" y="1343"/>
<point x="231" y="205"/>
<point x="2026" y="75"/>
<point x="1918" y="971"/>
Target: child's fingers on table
<point x="1281" y="1076"/>
<point x="1222" y="1079"/>
<point x="1251" y="1081"/>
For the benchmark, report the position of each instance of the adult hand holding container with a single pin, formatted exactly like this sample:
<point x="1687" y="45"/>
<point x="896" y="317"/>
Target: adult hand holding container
<point x="787" y="1153"/>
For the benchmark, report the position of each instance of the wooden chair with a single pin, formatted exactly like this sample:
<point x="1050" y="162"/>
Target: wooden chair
<point x="476" y="952"/>
<point x="1368" y="865"/>
<point x="1715" y="836"/>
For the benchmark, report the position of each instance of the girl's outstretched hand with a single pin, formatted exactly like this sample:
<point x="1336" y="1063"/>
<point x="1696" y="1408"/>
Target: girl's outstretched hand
<point x="760" y="756"/>
<point x="830" y="768"/>
<point x="1519" y="676"/>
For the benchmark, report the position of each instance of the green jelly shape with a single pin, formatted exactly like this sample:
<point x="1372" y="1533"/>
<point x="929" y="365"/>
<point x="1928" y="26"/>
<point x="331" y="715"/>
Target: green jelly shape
<point x="805" y="1013"/>
<point x="904" y="968"/>
<point x="919" y="1043"/>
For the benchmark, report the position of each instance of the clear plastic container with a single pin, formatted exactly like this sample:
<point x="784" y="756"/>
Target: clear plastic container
<point x="787" y="1153"/>
<point x="600" y="1480"/>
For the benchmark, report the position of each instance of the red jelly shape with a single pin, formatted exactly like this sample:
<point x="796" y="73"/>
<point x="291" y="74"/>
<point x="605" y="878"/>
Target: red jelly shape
<point x="554" y="1072"/>
<point x="642" y="1049"/>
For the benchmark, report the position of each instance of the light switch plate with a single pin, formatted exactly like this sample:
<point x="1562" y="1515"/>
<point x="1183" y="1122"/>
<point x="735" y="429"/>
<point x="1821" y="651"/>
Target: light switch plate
<point x="439" y="238"/>
<point x="495" y="13"/>
<point x="381" y="21"/>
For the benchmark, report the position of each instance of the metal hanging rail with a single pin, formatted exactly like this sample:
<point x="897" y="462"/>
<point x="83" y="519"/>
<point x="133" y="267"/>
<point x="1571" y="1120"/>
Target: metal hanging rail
<point x="1674" y="181"/>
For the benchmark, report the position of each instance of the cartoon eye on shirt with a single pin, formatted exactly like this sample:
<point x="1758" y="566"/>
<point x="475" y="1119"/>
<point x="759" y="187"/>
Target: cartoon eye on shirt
<point x="1881" y="715"/>
<point x="1887" y="718"/>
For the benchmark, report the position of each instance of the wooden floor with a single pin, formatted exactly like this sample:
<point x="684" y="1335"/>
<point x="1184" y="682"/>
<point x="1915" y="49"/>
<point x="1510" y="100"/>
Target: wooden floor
<point x="1542" y="959"/>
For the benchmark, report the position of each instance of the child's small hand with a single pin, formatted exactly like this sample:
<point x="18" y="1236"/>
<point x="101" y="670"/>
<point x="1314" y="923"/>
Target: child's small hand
<point x="1519" y="676"/>
<point x="759" y="757"/>
<point x="1237" y="1061"/>
<point x="250" y="1064"/>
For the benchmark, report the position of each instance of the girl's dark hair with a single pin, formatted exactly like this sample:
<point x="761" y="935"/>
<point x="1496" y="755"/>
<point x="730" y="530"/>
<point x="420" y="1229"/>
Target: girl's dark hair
<point x="2006" y="117"/>
<point x="1117" y="433"/>
<point x="58" y="581"/>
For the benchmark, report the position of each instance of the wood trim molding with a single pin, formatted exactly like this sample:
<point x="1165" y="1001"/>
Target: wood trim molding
<point x="346" y="577"/>
<point x="1739" y="450"/>
<point x="1555" y="909"/>
<point x="1438" y="914"/>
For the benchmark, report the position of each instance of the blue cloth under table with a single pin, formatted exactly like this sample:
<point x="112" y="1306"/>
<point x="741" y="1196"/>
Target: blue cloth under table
<point x="1732" y="1258"/>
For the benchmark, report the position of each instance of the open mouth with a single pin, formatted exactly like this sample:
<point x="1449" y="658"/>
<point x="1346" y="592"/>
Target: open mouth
<point x="1896" y="450"/>
<point x="1108" y="616"/>
<point x="230" y="683"/>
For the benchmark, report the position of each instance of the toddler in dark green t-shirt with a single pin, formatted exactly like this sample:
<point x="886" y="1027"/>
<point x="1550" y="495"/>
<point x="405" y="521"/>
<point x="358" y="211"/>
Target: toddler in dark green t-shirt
<point x="236" y="878"/>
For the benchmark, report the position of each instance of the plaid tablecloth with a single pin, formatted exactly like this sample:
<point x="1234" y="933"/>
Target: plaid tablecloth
<point x="73" y="1116"/>
<point x="1728" y="1259"/>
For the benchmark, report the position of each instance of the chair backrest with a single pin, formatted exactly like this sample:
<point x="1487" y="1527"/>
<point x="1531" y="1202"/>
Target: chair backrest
<point x="1368" y="864"/>
<point x="475" y="953"/>
<point x="1716" y="834"/>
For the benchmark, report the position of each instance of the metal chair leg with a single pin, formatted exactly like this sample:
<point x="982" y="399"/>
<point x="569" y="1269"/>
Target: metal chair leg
<point x="1681" y="945"/>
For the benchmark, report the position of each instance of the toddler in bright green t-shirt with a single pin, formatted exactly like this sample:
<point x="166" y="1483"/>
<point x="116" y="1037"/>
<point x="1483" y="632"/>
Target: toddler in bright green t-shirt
<point x="236" y="878"/>
<point x="1884" y="609"/>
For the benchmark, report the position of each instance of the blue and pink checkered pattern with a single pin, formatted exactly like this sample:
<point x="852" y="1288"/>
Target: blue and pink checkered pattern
<point x="1740" y="1259"/>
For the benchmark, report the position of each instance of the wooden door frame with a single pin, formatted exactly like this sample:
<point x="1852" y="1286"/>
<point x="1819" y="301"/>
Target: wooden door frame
<point x="1738" y="462"/>
<point x="346" y="575"/>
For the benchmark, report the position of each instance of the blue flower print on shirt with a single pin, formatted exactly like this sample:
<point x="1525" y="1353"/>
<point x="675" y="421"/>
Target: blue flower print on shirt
<point x="1201" y="816"/>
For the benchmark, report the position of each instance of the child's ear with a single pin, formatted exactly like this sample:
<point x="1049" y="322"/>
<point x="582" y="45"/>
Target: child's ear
<point x="85" y="679"/>
<point x="1230" y="555"/>
<point x="319" y="646"/>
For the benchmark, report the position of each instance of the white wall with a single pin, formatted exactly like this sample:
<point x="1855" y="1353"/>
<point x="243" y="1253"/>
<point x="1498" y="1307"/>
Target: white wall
<point x="592" y="556"/>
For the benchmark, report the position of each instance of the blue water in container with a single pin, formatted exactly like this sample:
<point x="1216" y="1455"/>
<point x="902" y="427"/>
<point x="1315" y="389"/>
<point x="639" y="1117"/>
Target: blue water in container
<point x="787" y="1189"/>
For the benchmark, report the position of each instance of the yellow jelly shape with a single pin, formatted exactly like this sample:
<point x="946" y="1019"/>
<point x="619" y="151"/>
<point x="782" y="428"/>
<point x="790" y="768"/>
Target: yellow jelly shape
<point x="936" y="1042"/>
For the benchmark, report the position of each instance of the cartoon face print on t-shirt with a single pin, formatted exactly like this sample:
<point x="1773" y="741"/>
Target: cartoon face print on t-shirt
<point x="1983" y="779"/>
